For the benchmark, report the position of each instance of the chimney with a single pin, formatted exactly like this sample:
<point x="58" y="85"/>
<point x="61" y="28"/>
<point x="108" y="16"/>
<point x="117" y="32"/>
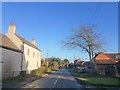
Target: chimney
<point x="11" y="28"/>
<point x="33" y="42"/>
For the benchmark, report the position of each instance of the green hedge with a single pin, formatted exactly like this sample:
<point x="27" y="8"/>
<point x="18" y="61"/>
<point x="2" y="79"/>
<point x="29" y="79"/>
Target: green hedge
<point x="40" y="70"/>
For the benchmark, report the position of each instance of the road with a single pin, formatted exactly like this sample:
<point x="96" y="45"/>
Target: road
<point x="58" y="79"/>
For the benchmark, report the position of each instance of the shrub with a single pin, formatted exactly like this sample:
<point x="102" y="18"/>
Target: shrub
<point x="38" y="71"/>
<point x="48" y="70"/>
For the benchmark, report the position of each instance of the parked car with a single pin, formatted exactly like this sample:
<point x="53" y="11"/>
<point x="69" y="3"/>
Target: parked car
<point x="85" y="70"/>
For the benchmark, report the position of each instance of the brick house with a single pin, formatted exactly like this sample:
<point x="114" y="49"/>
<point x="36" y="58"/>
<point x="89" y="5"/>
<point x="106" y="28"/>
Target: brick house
<point x="107" y="64"/>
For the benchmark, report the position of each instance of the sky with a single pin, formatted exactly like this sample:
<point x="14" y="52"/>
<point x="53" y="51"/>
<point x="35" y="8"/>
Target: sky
<point x="51" y="22"/>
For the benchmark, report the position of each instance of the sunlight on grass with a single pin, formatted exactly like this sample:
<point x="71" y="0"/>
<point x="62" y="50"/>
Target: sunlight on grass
<point x="83" y="79"/>
<point x="110" y="81"/>
<point x="96" y="79"/>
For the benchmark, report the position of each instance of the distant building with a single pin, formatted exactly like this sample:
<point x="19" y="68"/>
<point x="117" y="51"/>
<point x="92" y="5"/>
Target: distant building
<point x="105" y="64"/>
<point x="78" y="64"/>
<point x="88" y="65"/>
<point x="29" y="57"/>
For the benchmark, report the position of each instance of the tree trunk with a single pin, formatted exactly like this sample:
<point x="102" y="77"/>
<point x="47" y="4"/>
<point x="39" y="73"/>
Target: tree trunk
<point x="90" y="56"/>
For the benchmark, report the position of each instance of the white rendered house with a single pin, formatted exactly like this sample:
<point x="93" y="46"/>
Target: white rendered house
<point x="31" y="55"/>
<point x="11" y="57"/>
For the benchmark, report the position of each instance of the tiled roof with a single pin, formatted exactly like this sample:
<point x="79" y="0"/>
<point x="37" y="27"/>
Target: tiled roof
<point x="7" y="43"/>
<point x="106" y="61"/>
<point x="27" y="42"/>
<point x="101" y="56"/>
<point x="104" y="58"/>
<point x="112" y="55"/>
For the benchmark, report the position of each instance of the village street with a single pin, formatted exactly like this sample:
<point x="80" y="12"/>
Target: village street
<point x="58" y="79"/>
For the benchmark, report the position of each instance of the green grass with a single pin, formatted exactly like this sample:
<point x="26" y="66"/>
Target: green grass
<point x="101" y="81"/>
<point x="16" y="78"/>
<point x="95" y="79"/>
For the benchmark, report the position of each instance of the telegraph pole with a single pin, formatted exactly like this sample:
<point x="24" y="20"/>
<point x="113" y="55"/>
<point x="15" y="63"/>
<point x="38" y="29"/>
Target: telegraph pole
<point x="47" y="57"/>
<point x="47" y="54"/>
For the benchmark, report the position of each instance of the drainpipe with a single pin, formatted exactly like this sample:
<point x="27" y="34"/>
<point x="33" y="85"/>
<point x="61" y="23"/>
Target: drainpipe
<point x="22" y="58"/>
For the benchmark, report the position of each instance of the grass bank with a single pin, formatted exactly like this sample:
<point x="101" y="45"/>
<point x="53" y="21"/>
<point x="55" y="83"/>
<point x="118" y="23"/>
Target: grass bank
<point x="95" y="79"/>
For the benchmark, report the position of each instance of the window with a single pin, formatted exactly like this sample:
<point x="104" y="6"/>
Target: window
<point x="28" y="51"/>
<point x="27" y="63"/>
<point x="34" y="54"/>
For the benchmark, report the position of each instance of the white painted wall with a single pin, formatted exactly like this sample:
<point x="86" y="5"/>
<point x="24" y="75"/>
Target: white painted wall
<point x="15" y="40"/>
<point x="11" y="62"/>
<point x="29" y="62"/>
<point x="32" y="62"/>
<point x="11" y="35"/>
<point x="0" y="64"/>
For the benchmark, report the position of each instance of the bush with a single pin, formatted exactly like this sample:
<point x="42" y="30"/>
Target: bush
<point x="39" y="71"/>
<point x="48" y="70"/>
<point x="54" y="69"/>
<point x="36" y="72"/>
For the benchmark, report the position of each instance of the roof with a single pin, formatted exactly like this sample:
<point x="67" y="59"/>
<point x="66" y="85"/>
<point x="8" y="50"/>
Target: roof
<point x="27" y="42"/>
<point x="101" y="55"/>
<point x="8" y="44"/>
<point x="112" y="55"/>
<point x="105" y="58"/>
<point x="106" y="61"/>
<point x="87" y="63"/>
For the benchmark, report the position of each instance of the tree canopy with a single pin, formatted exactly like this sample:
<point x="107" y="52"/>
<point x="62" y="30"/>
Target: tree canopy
<point x="85" y="38"/>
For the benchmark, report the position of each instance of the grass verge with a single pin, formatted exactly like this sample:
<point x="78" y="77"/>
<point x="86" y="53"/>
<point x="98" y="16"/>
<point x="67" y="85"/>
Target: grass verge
<point x="95" y="79"/>
<point x="101" y="81"/>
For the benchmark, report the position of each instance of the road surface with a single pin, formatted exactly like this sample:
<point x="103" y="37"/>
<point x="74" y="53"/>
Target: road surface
<point x="58" y="79"/>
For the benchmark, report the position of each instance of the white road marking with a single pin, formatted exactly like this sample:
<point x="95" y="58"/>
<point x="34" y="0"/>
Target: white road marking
<point x="30" y="85"/>
<point x="55" y="81"/>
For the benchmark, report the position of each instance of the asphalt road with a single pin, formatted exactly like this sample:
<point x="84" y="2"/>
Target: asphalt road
<point x="58" y="79"/>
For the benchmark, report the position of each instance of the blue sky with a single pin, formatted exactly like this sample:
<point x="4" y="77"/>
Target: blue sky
<point x="50" y="23"/>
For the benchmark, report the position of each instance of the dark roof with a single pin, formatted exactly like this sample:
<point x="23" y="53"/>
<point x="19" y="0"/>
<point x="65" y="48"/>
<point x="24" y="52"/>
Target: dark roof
<point x="7" y="43"/>
<point x="112" y="55"/>
<point x="27" y="42"/>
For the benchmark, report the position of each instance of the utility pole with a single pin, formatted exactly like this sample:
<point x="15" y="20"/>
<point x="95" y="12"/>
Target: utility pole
<point x="47" y="57"/>
<point x="47" y="54"/>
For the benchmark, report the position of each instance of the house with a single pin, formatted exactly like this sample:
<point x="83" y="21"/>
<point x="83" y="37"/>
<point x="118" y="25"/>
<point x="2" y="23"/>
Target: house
<point x="78" y="64"/>
<point x="30" y="58"/>
<point x="11" y="57"/>
<point x="88" y="66"/>
<point x="105" y="63"/>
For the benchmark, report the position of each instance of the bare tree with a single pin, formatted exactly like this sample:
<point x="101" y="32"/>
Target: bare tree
<point x="85" y="38"/>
